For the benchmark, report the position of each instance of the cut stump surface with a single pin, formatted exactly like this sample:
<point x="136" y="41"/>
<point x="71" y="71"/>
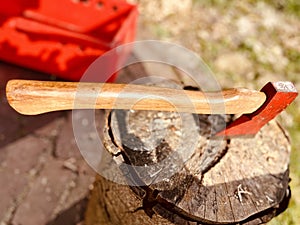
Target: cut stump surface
<point x="164" y="168"/>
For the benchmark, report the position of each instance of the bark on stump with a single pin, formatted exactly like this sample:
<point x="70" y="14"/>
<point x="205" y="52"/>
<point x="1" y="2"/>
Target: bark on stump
<point x="177" y="174"/>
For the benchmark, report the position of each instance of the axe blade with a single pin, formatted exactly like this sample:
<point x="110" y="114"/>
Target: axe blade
<point x="279" y="96"/>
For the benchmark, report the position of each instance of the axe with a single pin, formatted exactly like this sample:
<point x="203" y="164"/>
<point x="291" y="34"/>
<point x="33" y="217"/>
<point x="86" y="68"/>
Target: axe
<point x="257" y="107"/>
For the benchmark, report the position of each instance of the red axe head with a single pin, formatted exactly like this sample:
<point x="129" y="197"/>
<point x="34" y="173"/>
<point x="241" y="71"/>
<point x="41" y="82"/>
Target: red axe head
<point x="279" y="96"/>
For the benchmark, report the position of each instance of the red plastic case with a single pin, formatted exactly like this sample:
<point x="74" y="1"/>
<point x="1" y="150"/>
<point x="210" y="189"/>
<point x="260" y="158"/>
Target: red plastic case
<point x="63" y="37"/>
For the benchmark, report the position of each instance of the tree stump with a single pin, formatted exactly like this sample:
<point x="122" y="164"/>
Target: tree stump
<point x="166" y="169"/>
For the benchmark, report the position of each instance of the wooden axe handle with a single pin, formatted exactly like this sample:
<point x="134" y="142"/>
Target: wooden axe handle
<point x="36" y="97"/>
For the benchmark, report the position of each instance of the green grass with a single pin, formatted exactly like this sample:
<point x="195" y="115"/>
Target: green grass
<point x="286" y="6"/>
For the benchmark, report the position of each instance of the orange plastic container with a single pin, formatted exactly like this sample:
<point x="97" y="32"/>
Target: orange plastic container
<point x="63" y="37"/>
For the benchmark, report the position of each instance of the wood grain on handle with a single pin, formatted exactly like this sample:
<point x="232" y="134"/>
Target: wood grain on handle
<point x="36" y="97"/>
